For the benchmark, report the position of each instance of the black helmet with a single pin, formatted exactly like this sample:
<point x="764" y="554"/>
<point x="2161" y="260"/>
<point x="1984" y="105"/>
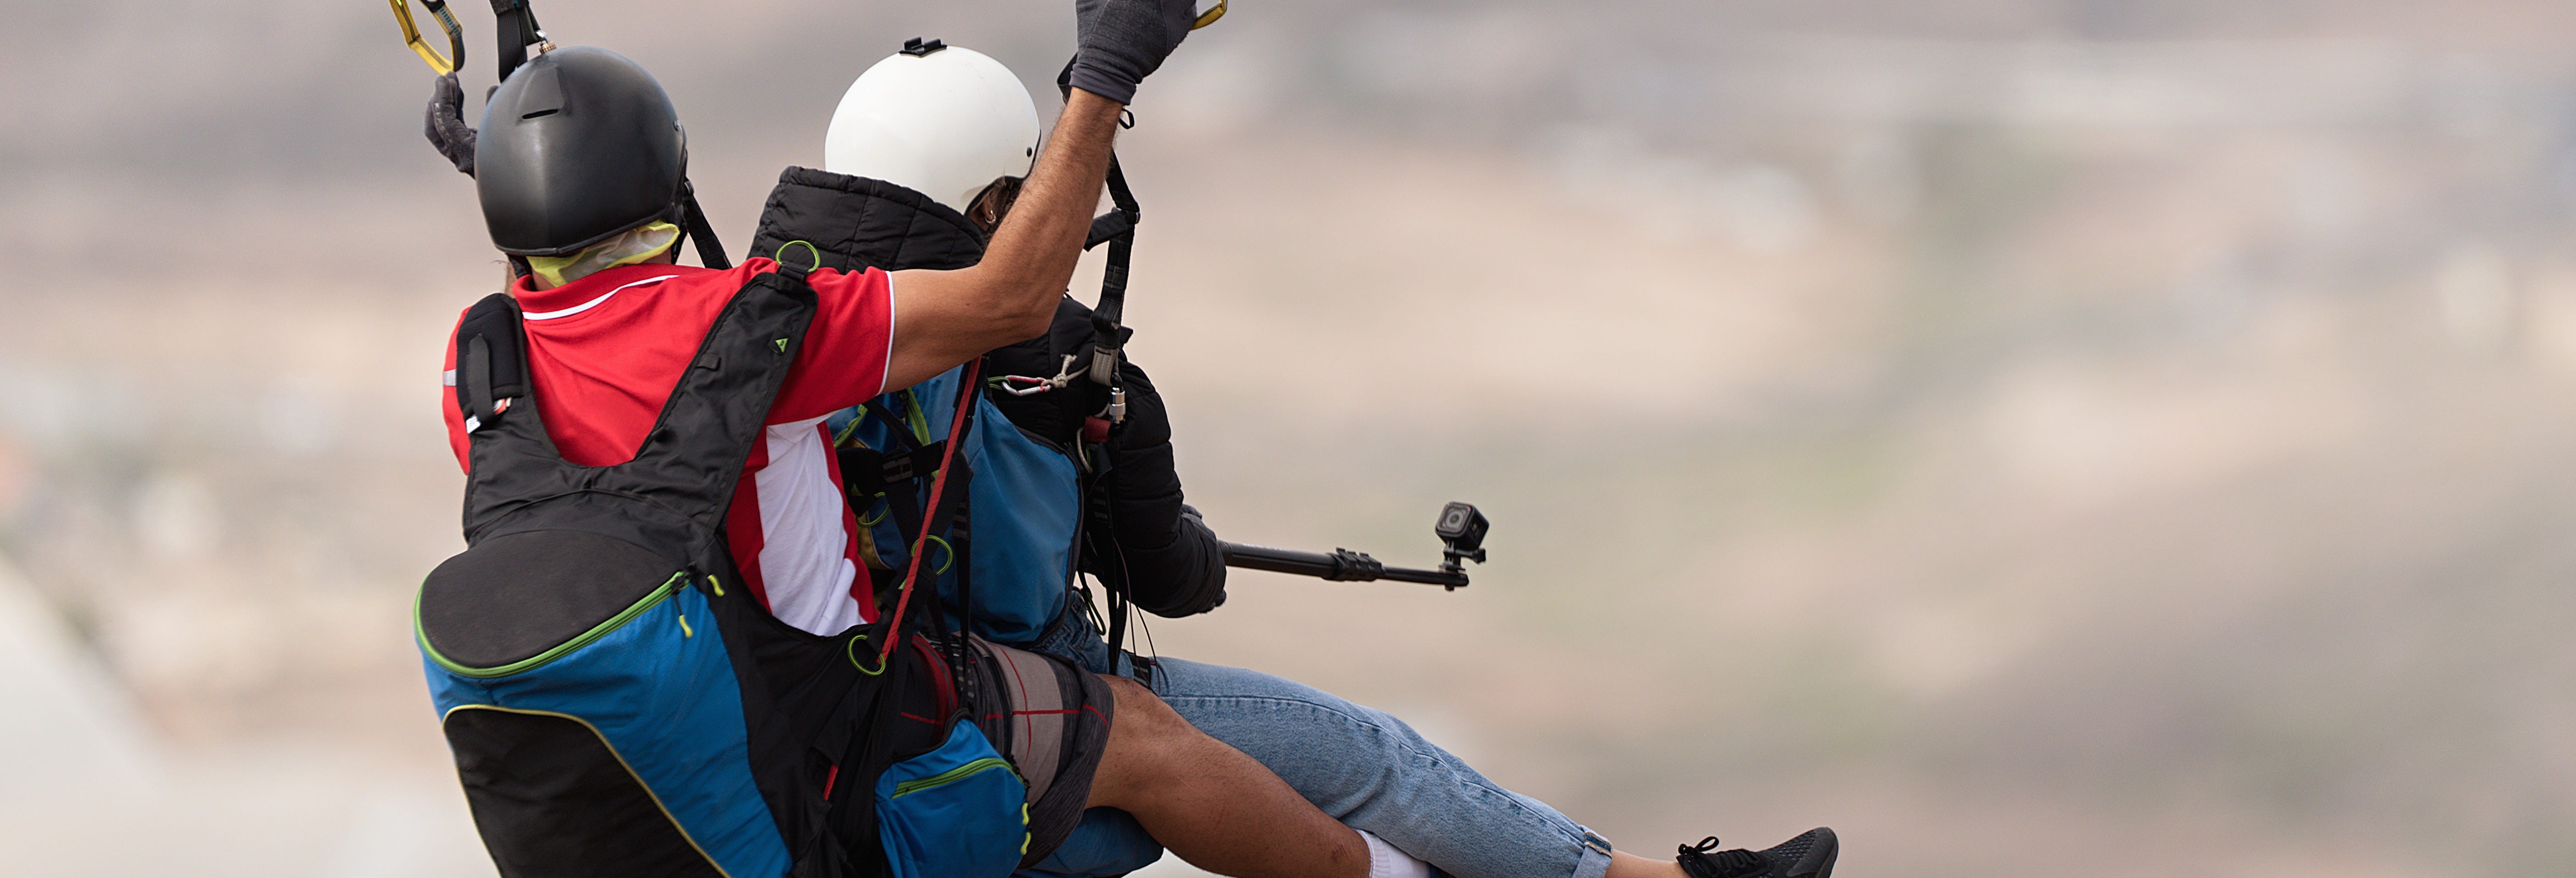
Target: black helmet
<point x="577" y="145"/>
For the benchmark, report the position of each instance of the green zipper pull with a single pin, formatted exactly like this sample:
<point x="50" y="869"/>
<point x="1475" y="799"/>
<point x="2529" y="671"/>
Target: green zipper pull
<point x="684" y="626"/>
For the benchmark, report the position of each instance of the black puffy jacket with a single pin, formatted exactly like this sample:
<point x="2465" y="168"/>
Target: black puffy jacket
<point x="1172" y="562"/>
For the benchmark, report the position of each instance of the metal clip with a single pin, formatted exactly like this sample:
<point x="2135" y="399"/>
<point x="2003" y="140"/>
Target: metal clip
<point x="1210" y="16"/>
<point x="441" y="65"/>
<point x="1022" y="385"/>
<point x="1033" y="386"/>
<point x="1118" y="405"/>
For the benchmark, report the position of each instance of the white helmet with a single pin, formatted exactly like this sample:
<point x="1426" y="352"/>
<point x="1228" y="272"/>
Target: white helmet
<point x="939" y="120"/>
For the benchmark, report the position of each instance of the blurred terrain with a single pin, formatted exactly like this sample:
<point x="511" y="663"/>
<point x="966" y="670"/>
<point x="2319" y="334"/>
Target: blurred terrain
<point x="2094" y="436"/>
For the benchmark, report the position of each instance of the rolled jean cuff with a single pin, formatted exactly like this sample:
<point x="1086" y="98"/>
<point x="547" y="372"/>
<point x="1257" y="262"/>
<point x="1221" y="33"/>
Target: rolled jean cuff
<point x="1596" y="856"/>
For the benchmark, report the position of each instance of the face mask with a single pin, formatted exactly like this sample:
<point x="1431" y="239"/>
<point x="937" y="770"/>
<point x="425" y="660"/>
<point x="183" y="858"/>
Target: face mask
<point x="628" y="248"/>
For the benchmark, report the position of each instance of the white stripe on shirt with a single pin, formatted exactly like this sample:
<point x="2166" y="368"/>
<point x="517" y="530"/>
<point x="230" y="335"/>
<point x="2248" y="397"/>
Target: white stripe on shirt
<point x="594" y="303"/>
<point x="804" y="550"/>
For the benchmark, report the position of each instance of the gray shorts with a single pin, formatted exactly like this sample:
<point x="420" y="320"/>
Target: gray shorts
<point x="1050" y="718"/>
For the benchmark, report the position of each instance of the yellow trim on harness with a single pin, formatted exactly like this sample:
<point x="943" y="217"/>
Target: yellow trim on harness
<point x="420" y="633"/>
<point x="853" y="648"/>
<point x="780" y="257"/>
<point x="621" y="763"/>
<point x="949" y="561"/>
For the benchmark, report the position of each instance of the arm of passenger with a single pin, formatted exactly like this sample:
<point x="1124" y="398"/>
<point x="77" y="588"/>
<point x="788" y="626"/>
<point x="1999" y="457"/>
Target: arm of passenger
<point x="944" y="318"/>
<point x="1174" y="565"/>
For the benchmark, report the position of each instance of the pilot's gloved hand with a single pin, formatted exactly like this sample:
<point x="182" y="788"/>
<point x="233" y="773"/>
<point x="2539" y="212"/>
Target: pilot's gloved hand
<point x="445" y="124"/>
<point x="1119" y="42"/>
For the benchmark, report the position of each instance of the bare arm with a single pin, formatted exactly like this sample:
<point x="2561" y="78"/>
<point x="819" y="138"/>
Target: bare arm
<point x="943" y="318"/>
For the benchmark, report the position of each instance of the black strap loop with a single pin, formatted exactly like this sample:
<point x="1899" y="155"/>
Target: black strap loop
<point x="710" y="251"/>
<point x="516" y="29"/>
<point x="474" y="380"/>
<point x="1113" y="280"/>
<point x="1108" y="227"/>
<point x="792" y="269"/>
<point x="488" y="360"/>
<point x="868" y="472"/>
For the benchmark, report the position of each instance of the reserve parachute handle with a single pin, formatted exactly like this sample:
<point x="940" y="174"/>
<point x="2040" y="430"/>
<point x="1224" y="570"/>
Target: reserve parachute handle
<point x="1462" y="538"/>
<point x="455" y="57"/>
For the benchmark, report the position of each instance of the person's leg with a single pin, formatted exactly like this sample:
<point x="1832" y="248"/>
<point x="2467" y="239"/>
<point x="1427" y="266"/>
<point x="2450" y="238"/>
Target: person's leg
<point x="1370" y="770"/>
<point x="1210" y="803"/>
<point x="1107" y="842"/>
<point x="1627" y="865"/>
<point x="1360" y="768"/>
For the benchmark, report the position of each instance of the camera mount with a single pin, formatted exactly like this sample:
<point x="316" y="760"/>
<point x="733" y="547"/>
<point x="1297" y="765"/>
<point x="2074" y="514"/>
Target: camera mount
<point x="1462" y="537"/>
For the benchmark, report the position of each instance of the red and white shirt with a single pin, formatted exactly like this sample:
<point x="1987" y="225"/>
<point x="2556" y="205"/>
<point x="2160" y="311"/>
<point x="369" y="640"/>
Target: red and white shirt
<point x="604" y="352"/>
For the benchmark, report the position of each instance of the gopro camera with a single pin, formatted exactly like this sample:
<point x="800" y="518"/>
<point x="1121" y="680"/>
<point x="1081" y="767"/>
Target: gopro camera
<point x="1462" y="531"/>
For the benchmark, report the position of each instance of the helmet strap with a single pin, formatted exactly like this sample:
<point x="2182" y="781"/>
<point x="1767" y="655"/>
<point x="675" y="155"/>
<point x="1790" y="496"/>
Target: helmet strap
<point x="693" y="222"/>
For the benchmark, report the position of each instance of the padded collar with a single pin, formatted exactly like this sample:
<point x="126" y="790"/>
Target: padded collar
<point x="859" y="222"/>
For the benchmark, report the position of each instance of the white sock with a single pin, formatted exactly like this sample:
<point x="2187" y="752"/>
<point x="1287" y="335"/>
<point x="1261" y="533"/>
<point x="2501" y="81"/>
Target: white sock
<point x="1387" y="862"/>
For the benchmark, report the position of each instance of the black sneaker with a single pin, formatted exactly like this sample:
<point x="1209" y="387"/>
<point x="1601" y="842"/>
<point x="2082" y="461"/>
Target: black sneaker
<point x="1810" y="855"/>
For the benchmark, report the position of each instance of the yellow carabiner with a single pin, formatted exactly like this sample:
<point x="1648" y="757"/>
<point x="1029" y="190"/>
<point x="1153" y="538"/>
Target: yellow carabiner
<point x="1209" y="17"/>
<point x="441" y="65"/>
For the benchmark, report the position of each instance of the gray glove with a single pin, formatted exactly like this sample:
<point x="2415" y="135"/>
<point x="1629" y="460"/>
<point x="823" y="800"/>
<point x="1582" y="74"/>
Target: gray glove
<point x="445" y="125"/>
<point x="1119" y="42"/>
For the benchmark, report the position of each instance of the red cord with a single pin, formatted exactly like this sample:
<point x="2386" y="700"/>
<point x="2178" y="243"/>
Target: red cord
<point x="947" y="456"/>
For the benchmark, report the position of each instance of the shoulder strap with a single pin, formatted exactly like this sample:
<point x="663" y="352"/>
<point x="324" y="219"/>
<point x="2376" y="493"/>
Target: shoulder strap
<point x="491" y="365"/>
<point x="694" y="223"/>
<point x="695" y="452"/>
<point x="691" y="458"/>
<point x="513" y="460"/>
<point x="947" y="494"/>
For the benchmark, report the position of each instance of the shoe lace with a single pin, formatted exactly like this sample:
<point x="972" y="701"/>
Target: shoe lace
<point x="1703" y="860"/>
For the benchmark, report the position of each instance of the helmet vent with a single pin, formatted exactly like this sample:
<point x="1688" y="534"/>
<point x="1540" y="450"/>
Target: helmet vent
<point x="544" y="95"/>
<point x="919" y="48"/>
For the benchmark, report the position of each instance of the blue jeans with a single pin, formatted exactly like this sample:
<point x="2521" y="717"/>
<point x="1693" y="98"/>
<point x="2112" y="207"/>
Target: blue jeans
<point x="1363" y="766"/>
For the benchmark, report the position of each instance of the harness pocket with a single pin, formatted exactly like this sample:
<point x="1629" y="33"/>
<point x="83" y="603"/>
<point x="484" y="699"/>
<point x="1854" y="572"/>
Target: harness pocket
<point x="552" y="798"/>
<point x="959" y="810"/>
<point x="516" y="603"/>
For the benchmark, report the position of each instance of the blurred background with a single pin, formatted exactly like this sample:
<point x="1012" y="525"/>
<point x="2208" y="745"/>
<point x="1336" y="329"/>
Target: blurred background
<point x="2107" y="437"/>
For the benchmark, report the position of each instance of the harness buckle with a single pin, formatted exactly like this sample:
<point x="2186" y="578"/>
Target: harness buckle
<point x="1104" y="364"/>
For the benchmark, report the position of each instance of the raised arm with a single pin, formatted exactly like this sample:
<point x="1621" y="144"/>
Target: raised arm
<point x="943" y="318"/>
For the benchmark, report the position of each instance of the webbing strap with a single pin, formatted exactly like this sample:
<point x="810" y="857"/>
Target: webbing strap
<point x="1113" y="281"/>
<point x="903" y="496"/>
<point x="489" y="365"/>
<point x="1108" y="564"/>
<point x="868" y="472"/>
<point x="710" y="252"/>
<point x="474" y="383"/>
<point x="690" y="461"/>
<point x="516" y="28"/>
<point x="943" y="510"/>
